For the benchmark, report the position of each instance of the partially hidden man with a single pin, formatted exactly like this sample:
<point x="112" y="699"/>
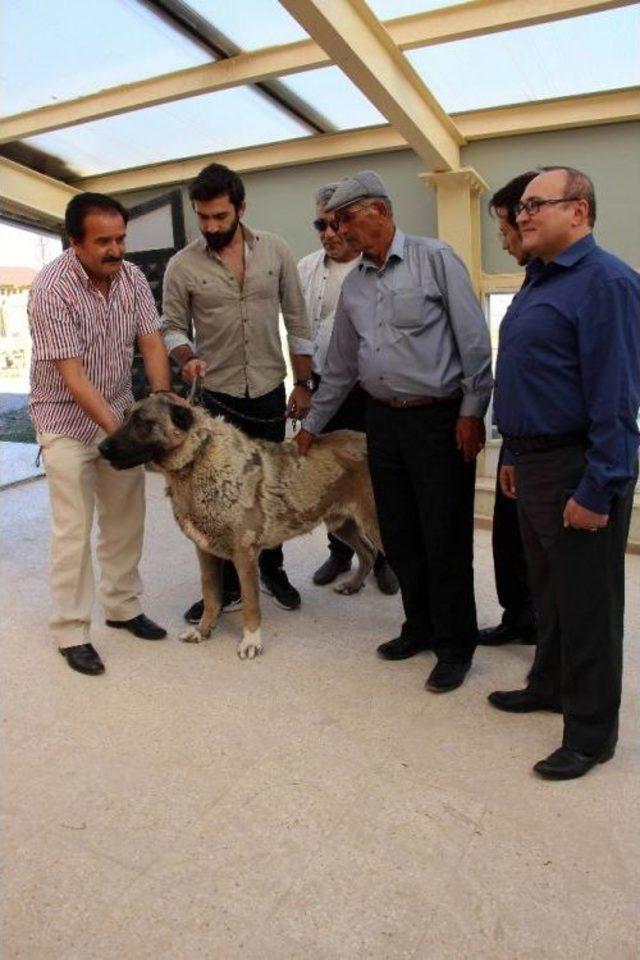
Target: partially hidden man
<point x="87" y="309"/>
<point x="567" y="395"/>
<point x="410" y="329"/>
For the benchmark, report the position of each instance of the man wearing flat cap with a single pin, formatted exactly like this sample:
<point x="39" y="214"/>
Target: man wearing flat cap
<point x="410" y="329"/>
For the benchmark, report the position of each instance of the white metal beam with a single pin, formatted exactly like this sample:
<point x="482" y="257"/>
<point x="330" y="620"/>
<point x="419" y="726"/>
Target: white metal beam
<point x="364" y="51"/>
<point x="25" y="189"/>
<point x="610" y="107"/>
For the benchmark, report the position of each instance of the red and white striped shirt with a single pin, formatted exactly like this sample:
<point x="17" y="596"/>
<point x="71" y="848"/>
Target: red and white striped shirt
<point x="69" y="317"/>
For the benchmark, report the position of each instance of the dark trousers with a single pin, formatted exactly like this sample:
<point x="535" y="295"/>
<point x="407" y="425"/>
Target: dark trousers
<point x="509" y="562"/>
<point x="424" y="493"/>
<point x="269" y="406"/>
<point x="350" y="416"/>
<point x="577" y="579"/>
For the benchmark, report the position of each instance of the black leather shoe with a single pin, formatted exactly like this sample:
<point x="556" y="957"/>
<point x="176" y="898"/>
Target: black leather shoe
<point x="140" y="626"/>
<point x="330" y="569"/>
<point x="522" y="701"/>
<point x="497" y="636"/>
<point x="567" y="764"/>
<point x="447" y="676"/>
<point x="385" y="578"/>
<point x="83" y="658"/>
<point x="401" y="648"/>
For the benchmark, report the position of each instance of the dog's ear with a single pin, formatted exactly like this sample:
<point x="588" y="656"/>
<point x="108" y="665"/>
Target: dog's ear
<point x="181" y="416"/>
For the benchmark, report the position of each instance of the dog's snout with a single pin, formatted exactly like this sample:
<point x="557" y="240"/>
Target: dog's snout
<point x="107" y="447"/>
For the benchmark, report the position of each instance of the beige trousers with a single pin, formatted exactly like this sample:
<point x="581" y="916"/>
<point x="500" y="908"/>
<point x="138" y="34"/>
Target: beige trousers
<point x="79" y="480"/>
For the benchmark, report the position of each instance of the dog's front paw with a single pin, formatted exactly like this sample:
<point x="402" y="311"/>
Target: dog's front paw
<point x="193" y="635"/>
<point x="348" y="587"/>
<point x="250" y="645"/>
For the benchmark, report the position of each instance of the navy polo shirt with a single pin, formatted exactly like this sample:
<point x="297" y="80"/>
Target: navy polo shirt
<point x="569" y="360"/>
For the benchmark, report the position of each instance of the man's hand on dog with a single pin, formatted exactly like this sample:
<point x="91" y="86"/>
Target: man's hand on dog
<point x="304" y="439"/>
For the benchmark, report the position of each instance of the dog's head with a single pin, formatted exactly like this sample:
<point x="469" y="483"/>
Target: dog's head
<point x="154" y="428"/>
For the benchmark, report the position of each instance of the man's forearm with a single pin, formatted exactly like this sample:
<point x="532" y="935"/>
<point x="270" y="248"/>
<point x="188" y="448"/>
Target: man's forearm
<point x="301" y="364"/>
<point x="156" y="361"/>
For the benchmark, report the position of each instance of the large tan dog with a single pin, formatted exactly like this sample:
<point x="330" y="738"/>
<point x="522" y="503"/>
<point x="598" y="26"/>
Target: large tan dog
<point x="233" y="495"/>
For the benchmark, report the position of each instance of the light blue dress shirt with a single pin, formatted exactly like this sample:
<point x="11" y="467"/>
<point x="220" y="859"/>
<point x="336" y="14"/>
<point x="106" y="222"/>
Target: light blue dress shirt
<point x="411" y="328"/>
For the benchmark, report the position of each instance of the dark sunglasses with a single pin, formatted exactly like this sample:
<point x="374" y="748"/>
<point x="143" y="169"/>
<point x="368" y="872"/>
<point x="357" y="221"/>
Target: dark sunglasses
<point x="321" y="225"/>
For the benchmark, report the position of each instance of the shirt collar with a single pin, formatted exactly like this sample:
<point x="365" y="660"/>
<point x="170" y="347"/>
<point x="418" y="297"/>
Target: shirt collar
<point x="568" y="258"/>
<point x="395" y="251"/>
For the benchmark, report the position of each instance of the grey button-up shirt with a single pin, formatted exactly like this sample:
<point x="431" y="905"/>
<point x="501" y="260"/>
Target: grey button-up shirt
<point x="237" y="327"/>
<point x="411" y="328"/>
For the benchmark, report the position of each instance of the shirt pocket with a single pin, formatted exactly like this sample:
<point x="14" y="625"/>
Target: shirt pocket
<point x="411" y="306"/>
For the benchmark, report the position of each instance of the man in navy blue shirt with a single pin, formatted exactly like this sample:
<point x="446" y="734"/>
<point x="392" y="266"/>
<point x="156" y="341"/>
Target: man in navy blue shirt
<point x="566" y="402"/>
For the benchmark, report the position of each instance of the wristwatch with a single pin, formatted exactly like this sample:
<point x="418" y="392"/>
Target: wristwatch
<point x="305" y="383"/>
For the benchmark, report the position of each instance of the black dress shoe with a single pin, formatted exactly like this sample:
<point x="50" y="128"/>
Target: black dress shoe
<point x="567" y="764"/>
<point x="447" y="676"/>
<point x="83" y="658"/>
<point x="497" y="636"/>
<point x="385" y="577"/>
<point x="140" y="626"/>
<point x="330" y="569"/>
<point x="522" y="701"/>
<point x="401" y="648"/>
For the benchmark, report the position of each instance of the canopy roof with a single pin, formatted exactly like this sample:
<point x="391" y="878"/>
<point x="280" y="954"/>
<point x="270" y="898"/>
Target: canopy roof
<point x="125" y="94"/>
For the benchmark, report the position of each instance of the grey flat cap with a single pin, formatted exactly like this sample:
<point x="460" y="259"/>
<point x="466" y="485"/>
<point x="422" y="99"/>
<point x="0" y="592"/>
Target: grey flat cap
<point x="361" y="186"/>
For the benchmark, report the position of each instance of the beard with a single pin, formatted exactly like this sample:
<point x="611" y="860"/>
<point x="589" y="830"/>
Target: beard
<point x="222" y="238"/>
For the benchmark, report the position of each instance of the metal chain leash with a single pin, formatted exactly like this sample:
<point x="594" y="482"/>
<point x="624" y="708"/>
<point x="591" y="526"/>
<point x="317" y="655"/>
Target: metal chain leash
<point x="195" y="398"/>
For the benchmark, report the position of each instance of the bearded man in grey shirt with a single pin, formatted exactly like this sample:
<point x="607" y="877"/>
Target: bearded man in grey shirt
<point x="231" y="284"/>
<point x="409" y="328"/>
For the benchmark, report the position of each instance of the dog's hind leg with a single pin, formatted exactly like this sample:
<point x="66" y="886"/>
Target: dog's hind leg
<point x="247" y="566"/>
<point x="350" y="533"/>
<point x="211" y="580"/>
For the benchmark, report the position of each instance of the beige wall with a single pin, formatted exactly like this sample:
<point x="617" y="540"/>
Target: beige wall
<point x="282" y="200"/>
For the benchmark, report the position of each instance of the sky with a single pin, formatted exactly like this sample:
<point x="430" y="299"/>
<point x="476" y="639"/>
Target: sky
<point x="25" y="248"/>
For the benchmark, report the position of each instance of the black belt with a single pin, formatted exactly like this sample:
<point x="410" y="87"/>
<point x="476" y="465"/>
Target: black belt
<point x="545" y="441"/>
<point x="403" y="403"/>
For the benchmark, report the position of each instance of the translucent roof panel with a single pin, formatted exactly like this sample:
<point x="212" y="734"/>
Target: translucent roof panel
<point x="250" y="23"/>
<point x="333" y="95"/>
<point x="211" y="123"/>
<point x="390" y="9"/>
<point x="56" y="51"/>
<point x="579" y="55"/>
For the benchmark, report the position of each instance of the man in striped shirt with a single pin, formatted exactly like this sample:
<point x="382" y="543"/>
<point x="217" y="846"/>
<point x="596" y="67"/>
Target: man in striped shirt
<point x="87" y="309"/>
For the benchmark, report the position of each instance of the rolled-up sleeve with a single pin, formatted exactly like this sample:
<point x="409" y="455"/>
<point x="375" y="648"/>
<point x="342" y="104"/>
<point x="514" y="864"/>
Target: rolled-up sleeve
<point x="294" y="310"/>
<point x="340" y="372"/>
<point x="470" y="330"/>
<point x="54" y="332"/>
<point x="176" y="308"/>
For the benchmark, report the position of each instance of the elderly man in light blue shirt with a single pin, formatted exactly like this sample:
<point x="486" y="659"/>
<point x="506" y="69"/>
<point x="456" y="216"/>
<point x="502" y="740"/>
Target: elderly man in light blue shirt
<point x="408" y="327"/>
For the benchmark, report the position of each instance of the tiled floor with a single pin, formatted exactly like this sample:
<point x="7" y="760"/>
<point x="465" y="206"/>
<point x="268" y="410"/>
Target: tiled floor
<point x="316" y="803"/>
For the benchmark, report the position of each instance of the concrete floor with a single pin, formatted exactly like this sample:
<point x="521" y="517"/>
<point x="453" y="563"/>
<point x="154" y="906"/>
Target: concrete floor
<point x="316" y="803"/>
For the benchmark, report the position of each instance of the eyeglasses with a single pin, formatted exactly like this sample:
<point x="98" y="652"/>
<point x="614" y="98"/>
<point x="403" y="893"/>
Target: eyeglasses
<point x="531" y="207"/>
